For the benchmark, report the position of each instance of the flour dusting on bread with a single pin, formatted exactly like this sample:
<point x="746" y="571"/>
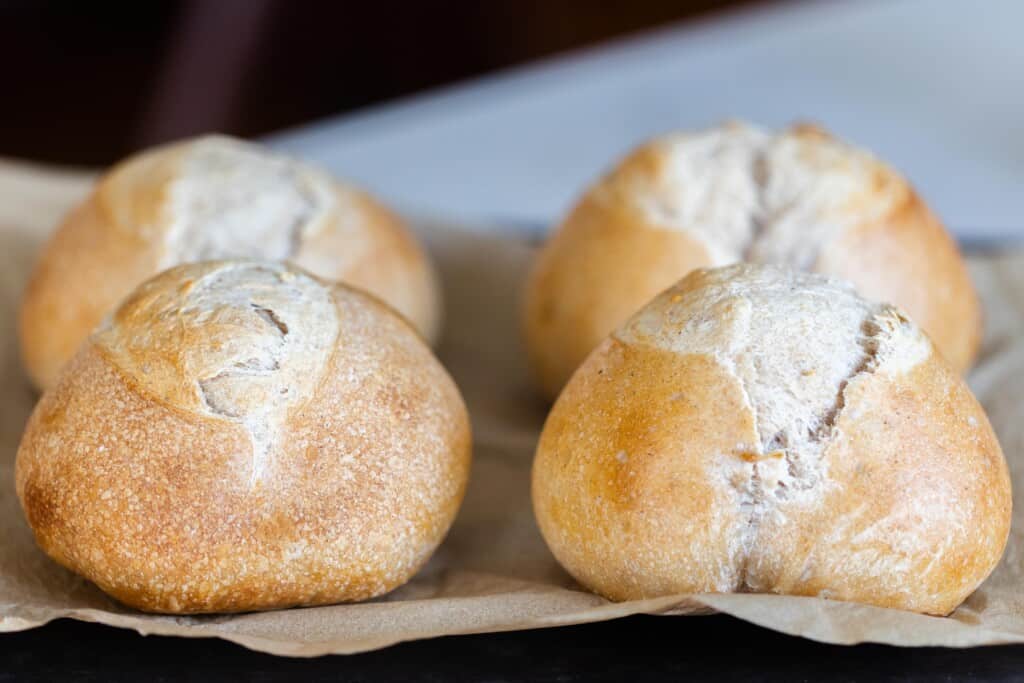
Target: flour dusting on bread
<point x="243" y="341"/>
<point x="232" y="199"/>
<point x="794" y="342"/>
<point x="756" y="196"/>
<point x="792" y="339"/>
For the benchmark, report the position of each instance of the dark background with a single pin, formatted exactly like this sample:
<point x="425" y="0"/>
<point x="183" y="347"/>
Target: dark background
<point x="89" y="82"/>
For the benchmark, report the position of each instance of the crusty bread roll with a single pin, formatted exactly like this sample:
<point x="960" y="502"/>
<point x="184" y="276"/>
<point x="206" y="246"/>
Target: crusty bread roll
<point x="761" y="430"/>
<point x="241" y="436"/>
<point x="213" y="198"/>
<point x="738" y="193"/>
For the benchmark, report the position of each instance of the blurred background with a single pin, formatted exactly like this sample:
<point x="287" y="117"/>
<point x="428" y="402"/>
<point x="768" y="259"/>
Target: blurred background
<point x="501" y="111"/>
<point x="88" y="82"/>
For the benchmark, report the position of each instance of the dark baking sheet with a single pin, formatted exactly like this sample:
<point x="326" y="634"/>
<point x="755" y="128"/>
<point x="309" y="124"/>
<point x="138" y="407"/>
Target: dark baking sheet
<point x="633" y="649"/>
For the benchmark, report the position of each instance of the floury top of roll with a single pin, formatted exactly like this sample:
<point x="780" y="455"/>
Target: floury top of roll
<point x="213" y="198"/>
<point x="798" y="197"/>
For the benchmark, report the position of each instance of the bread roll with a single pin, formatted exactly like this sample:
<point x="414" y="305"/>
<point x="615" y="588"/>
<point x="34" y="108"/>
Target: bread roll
<point x="241" y="436"/>
<point x="754" y="429"/>
<point x="213" y="198"/>
<point x="738" y="193"/>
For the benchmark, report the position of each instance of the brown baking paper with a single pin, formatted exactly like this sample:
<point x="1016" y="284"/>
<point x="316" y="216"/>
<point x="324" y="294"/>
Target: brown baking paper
<point x="493" y="573"/>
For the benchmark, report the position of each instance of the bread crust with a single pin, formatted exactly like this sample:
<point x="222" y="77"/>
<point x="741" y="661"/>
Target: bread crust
<point x="910" y="260"/>
<point x="597" y="269"/>
<point x="124" y="233"/>
<point x="619" y="489"/>
<point x="157" y="500"/>
<point x="651" y="479"/>
<point x="625" y="241"/>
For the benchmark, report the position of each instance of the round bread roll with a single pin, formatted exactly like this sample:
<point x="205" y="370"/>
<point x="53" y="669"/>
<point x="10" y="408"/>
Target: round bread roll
<point x="213" y="198"/>
<point x="756" y="429"/>
<point x="737" y="193"/>
<point x="242" y="436"/>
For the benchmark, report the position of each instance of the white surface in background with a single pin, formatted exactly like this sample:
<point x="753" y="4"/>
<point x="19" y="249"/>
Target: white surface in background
<point x="934" y="86"/>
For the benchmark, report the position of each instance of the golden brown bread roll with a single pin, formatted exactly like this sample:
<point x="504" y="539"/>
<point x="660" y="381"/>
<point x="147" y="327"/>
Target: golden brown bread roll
<point x="213" y="198"/>
<point x="242" y="436"/>
<point x="737" y="193"/>
<point x="761" y="430"/>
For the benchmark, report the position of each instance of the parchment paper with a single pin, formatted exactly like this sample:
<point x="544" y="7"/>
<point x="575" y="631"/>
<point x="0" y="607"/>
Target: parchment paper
<point x="493" y="573"/>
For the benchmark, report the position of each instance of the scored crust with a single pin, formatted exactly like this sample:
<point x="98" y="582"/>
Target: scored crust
<point x="213" y="198"/>
<point x="754" y="429"/>
<point x="274" y="441"/>
<point x="738" y="193"/>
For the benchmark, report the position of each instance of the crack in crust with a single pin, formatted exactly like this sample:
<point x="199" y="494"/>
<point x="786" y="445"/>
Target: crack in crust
<point x="271" y="317"/>
<point x="759" y="218"/>
<point x="869" y="342"/>
<point x="755" y="499"/>
<point x="759" y="196"/>
<point x="794" y="343"/>
<point x="213" y="404"/>
<point x="235" y="340"/>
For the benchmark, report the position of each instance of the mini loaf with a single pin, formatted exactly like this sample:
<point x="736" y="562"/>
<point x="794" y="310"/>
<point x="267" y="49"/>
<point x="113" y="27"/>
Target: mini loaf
<point x="755" y="429"/>
<point x="241" y="436"/>
<point x="213" y="198"/>
<point x="737" y="193"/>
